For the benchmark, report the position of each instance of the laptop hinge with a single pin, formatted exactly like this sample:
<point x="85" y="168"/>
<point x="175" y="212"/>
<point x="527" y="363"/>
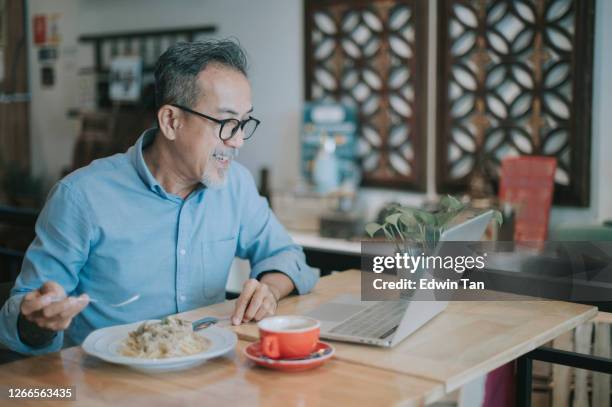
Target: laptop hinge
<point x="389" y="332"/>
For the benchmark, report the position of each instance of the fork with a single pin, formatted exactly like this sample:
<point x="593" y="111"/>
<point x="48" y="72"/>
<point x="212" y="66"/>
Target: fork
<point x="207" y="321"/>
<point x="119" y="304"/>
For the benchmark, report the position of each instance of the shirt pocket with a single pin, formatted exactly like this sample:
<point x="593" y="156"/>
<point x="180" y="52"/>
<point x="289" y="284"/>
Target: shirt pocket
<point x="217" y="258"/>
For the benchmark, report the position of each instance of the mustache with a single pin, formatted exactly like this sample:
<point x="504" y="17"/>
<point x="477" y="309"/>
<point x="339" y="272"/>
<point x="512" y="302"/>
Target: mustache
<point x="228" y="152"/>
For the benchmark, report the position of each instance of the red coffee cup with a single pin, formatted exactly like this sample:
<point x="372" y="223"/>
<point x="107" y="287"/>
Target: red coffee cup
<point x="288" y="336"/>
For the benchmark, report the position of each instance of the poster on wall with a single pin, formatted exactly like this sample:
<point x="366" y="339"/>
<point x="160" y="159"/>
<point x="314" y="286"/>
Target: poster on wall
<point x="125" y="78"/>
<point x="46" y="37"/>
<point x="47" y="76"/>
<point x="329" y="145"/>
<point x="53" y="29"/>
<point x="47" y="54"/>
<point x="39" y="26"/>
<point x="46" y="29"/>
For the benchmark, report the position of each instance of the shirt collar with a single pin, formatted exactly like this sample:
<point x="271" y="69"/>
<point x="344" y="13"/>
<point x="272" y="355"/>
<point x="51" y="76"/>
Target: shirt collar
<point x="137" y="159"/>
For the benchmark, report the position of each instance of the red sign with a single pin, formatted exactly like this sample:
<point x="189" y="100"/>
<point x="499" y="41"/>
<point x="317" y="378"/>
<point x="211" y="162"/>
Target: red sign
<point x="39" y="25"/>
<point x="528" y="182"/>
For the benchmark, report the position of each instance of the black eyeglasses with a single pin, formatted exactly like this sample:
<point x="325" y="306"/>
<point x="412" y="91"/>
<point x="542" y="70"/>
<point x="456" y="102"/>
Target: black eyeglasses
<point x="229" y="127"/>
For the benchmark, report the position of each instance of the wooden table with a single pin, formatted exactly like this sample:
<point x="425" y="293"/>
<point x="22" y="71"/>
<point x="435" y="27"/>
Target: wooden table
<point x="468" y="340"/>
<point x="229" y="380"/>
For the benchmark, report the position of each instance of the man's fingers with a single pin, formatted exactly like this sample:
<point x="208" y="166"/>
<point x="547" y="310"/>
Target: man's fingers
<point x="261" y="314"/>
<point x="32" y="295"/>
<point x="57" y="307"/>
<point x="59" y="316"/>
<point x="77" y="304"/>
<point x="36" y="300"/>
<point x="247" y="292"/>
<point x="58" y="323"/>
<point x="31" y="302"/>
<point x="69" y="307"/>
<point x="53" y="288"/>
<point x="256" y="300"/>
<point x="267" y="309"/>
<point x="36" y="303"/>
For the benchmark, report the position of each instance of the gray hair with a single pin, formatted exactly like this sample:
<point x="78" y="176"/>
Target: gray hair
<point x="177" y="69"/>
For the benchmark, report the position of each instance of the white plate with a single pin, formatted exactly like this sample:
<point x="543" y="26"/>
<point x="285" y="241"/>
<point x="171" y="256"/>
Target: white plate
<point x="105" y="344"/>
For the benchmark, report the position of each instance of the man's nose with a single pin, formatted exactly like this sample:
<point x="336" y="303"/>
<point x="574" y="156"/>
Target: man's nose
<point x="237" y="140"/>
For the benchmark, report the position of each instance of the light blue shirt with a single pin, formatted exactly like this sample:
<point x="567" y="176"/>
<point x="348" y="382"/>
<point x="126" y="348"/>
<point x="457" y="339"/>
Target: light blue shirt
<point x="111" y="231"/>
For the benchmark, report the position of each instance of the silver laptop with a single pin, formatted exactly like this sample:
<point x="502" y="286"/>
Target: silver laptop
<point x="386" y="323"/>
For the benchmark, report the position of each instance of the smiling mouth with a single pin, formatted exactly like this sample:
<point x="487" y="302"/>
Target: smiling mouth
<point x="221" y="158"/>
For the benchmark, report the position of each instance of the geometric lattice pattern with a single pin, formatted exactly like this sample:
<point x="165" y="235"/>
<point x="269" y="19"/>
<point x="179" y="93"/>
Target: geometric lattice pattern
<point x="515" y="80"/>
<point x="370" y="55"/>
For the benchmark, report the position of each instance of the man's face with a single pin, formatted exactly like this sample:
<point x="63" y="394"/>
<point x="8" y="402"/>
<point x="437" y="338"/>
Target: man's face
<point x="224" y="94"/>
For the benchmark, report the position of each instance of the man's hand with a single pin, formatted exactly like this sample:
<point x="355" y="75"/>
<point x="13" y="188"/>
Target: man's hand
<point x="257" y="301"/>
<point x="49" y="308"/>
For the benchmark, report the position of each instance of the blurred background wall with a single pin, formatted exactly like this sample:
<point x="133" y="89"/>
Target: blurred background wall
<point x="272" y="33"/>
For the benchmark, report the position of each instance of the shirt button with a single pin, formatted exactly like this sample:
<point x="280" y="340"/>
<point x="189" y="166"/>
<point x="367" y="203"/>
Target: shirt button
<point x="183" y="298"/>
<point x="182" y="252"/>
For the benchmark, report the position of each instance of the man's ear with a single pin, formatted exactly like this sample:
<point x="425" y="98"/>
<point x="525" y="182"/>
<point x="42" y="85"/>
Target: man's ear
<point x="169" y="121"/>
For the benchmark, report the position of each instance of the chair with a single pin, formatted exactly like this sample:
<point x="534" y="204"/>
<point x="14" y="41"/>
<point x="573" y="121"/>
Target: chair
<point x="16" y="233"/>
<point x="7" y="355"/>
<point x="592" y="337"/>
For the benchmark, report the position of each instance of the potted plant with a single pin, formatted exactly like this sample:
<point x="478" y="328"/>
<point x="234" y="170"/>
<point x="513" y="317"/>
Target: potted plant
<point x="414" y="229"/>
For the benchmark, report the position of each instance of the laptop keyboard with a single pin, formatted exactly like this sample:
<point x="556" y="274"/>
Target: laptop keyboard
<point x="377" y="321"/>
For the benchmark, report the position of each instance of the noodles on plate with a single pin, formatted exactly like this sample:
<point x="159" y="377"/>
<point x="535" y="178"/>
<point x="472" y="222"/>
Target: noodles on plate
<point x="168" y="338"/>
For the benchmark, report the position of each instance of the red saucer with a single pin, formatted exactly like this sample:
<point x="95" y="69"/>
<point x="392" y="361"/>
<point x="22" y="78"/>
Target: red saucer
<point x="253" y="352"/>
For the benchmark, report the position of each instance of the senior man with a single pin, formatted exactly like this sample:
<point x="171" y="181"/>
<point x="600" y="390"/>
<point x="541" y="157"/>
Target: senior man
<point x="163" y="220"/>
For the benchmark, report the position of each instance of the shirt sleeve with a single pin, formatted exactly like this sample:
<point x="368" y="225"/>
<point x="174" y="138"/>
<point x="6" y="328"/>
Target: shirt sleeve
<point x="266" y="243"/>
<point x="58" y="252"/>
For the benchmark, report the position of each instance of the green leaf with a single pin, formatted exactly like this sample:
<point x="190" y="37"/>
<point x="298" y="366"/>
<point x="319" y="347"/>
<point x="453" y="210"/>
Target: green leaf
<point x="413" y="235"/>
<point x="388" y="234"/>
<point x="425" y="218"/>
<point x="450" y="202"/>
<point x="408" y="220"/>
<point x="372" y="228"/>
<point x="406" y="210"/>
<point x="498" y="217"/>
<point x="392" y="219"/>
<point x="411" y="232"/>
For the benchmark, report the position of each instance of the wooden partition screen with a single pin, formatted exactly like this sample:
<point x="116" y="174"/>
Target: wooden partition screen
<point x="372" y="55"/>
<point x="515" y="78"/>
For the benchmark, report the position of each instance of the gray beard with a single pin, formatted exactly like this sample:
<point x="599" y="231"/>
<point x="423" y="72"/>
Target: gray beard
<point x="221" y="180"/>
<point x="218" y="182"/>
